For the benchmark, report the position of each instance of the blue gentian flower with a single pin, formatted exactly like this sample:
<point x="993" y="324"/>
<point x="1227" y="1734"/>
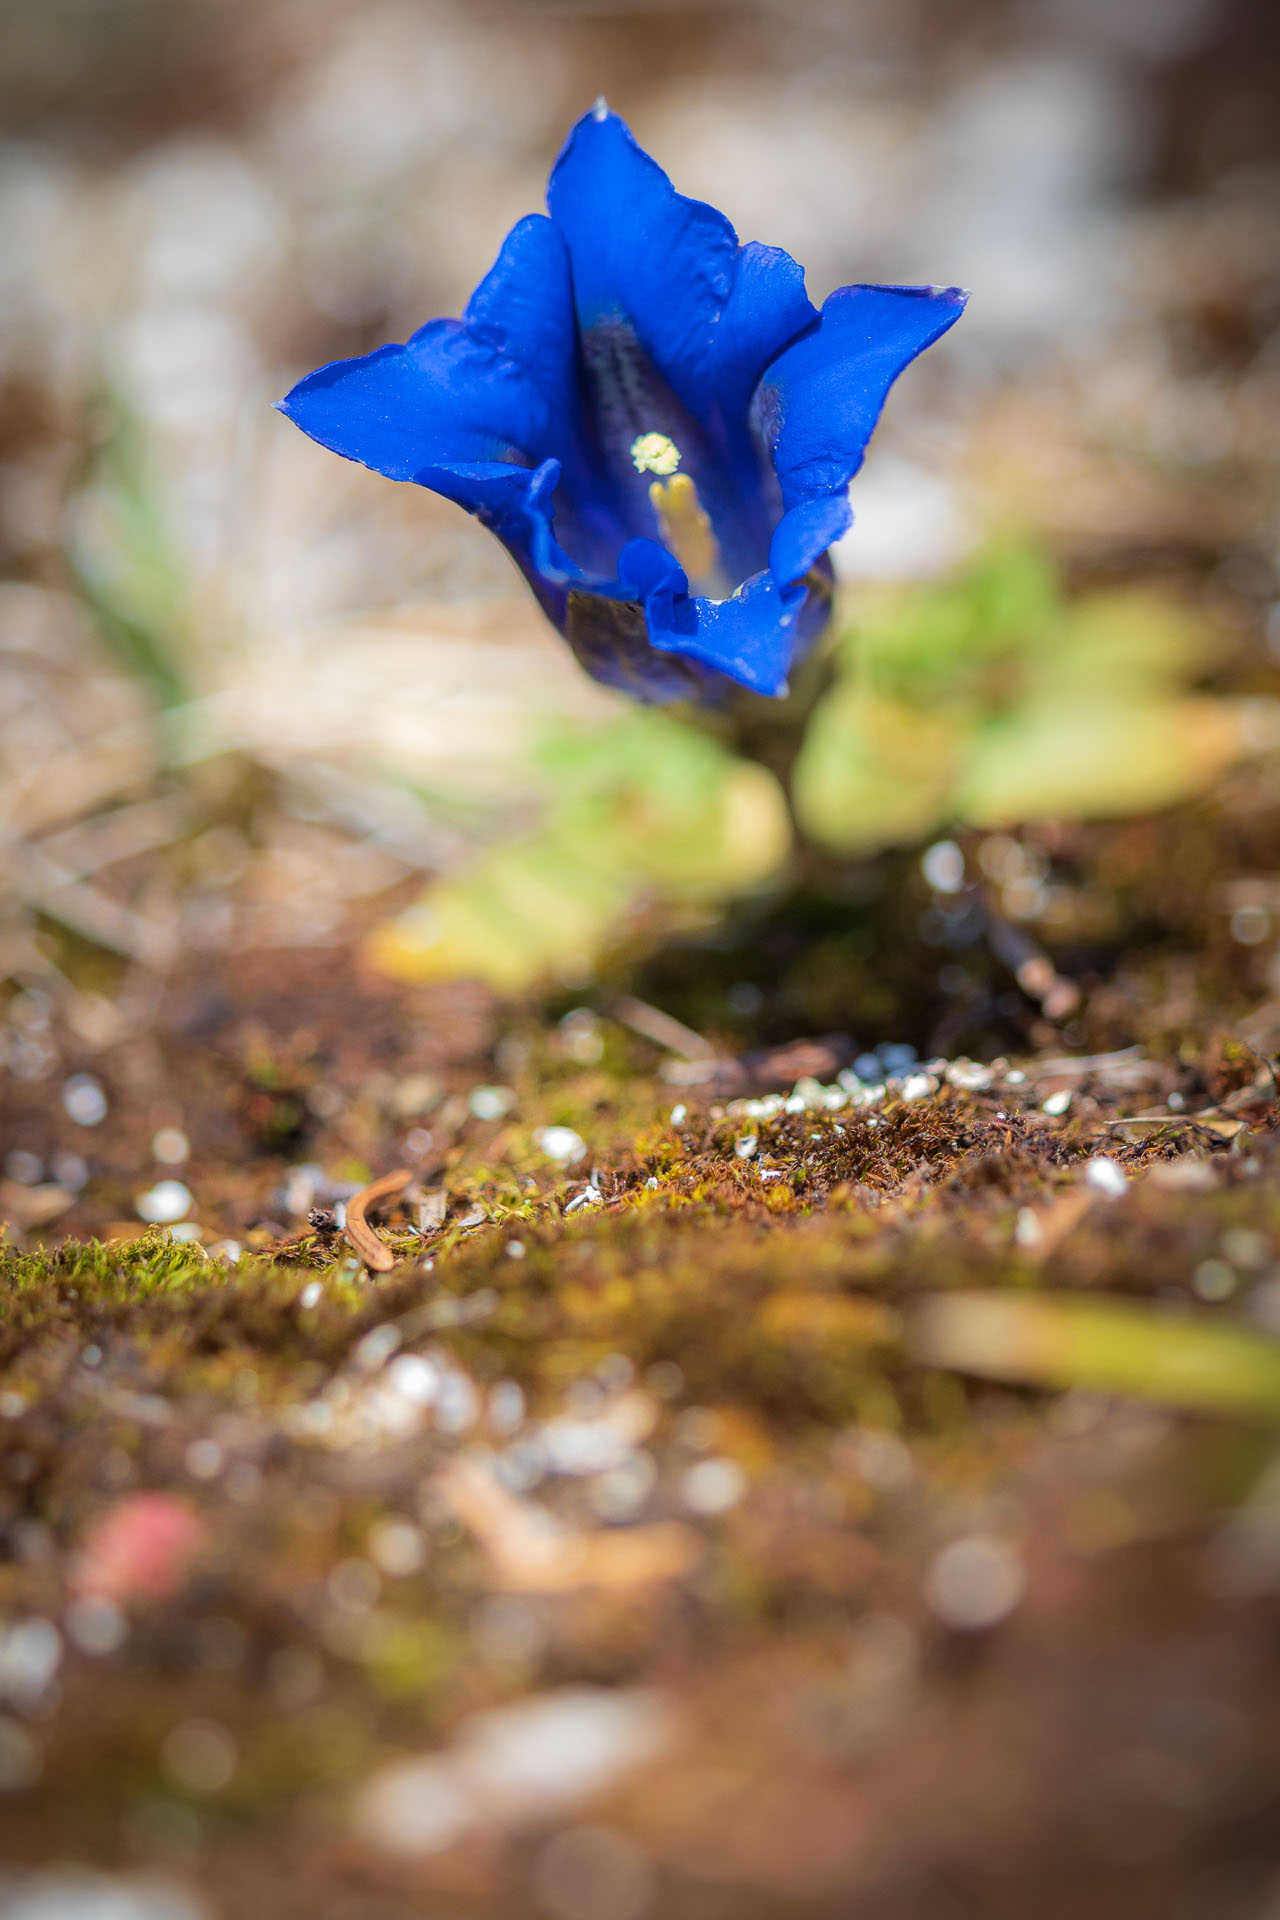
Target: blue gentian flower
<point x="653" y="419"/>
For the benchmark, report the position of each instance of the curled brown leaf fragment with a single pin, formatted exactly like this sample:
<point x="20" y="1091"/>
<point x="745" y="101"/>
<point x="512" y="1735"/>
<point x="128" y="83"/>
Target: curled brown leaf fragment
<point x="376" y="1256"/>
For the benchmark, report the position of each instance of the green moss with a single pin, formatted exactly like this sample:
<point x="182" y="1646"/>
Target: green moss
<point x="778" y="1315"/>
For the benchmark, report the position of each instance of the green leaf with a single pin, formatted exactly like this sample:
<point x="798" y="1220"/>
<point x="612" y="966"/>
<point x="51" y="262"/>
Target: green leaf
<point x="874" y="771"/>
<point x="124" y="564"/>
<point x="988" y="699"/>
<point x="1090" y="760"/>
<point x="647" y="813"/>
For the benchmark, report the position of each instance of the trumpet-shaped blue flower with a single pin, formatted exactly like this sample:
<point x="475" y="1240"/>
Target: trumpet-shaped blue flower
<point x="653" y="419"/>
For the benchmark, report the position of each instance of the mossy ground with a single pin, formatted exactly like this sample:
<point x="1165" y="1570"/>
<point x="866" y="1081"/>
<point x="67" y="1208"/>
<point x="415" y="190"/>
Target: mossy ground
<point x="745" y="1321"/>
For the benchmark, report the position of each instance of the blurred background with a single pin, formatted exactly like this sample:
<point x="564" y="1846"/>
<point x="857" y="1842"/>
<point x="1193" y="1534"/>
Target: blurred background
<point x="248" y="685"/>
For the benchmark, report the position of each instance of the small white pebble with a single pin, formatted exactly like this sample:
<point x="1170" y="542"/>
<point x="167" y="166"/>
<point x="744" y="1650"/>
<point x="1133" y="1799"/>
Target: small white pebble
<point x="679" y="1114"/>
<point x="515" y="1249"/>
<point x="712" y="1486"/>
<point x="186" y="1230"/>
<point x="457" y="1404"/>
<point x="96" y="1626"/>
<point x="203" y="1459"/>
<point x="506" y="1406"/>
<point x="376" y="1347"/>
<point x="969" y="1076"/>
<point x="70" y="1171"/>
<point x="164" y="1203"/>
<point x="1214" y="1280"/>
<point x="1250" y="925"/>
<point x="490" y="1103"/>
<point x="560" y="1144"/>
<point x="943" y="866"/>
<point x="1057" y="1103"/>
<point x="397" y="1548"/>
<point x="84" y="1100"/>
<point x="746" y="1146"/>
<point x="415" y="1378"/>
<point x="581" y="1037"/>
<point x="1015" y="1077"/>
<point x="919" y="1086"/>
<point x="621" y="1491"/>
<point x="974" y="1583"/>
<point x="170" y="1147"/>
<point x="243" y="1483"/>
<point x="30" y="1653"/>
<point x="1106" y="1176"/>
<point x="1245" y="1248"/>
<point x="1027" y="1231"/>
<point x="311" y="1296"/>
<point x="652" y="1184"/>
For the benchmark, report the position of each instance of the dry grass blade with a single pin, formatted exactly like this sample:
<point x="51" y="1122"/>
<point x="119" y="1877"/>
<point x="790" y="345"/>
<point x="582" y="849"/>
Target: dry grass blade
<point x="651" y="1023"/>
<point x="1110" y="1346"/>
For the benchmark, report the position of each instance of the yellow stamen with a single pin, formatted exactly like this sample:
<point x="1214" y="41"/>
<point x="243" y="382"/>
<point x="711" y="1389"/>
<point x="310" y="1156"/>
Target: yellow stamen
<point x="655" y="453"/>
<point x="687" y="533"/>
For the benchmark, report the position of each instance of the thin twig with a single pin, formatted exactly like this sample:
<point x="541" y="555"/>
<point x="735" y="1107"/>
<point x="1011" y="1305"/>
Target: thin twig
<point x="1029" y="964"/>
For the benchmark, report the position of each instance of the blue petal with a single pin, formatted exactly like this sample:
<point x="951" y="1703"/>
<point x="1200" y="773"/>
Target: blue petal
<point x="677" y="325"/>
<point x="804" y="534"/>
<point x="524" y="305"/>
<point x="468" y="407"/>
<point x="767" y="308"/>
<point x="663" y="643"/>
<point x="401" y="409"/>
<point x="710" y="314"/>
<point x="750" y="638"/>
<point x="496" y="386"/>
<point x="823" y="395"/>
<point x="516" y="505"/>
<point x="640" y="251"/>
